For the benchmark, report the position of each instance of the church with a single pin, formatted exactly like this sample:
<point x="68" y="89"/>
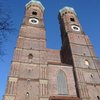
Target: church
<point x="40" y="73"/>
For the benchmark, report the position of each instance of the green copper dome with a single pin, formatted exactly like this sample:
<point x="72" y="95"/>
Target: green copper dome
<point x="68" y="9"/>
<point x="35" y="2"/>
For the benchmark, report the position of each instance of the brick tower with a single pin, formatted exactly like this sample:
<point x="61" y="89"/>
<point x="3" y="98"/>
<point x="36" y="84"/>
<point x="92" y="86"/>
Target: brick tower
<point x="28" y="68"/>
<point x="39" y="73"/>
<point x="78" y="51"/>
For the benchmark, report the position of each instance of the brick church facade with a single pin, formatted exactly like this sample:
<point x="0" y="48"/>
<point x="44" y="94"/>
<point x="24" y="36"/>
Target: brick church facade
<point x="39" y="73"/>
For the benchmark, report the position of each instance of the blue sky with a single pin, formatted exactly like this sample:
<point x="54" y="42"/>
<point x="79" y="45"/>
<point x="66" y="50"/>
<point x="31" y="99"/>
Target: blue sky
<point x="88" y="12"/>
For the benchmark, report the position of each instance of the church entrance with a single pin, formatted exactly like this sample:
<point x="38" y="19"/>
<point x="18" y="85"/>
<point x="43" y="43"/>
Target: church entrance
<point x="63" y="98"/>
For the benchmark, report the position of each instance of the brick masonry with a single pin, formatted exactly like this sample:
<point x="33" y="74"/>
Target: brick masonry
<point x="34" y="73"/>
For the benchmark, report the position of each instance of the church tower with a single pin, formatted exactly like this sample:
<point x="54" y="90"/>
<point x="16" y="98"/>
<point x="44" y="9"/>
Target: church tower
<point x="78" y="51"/>
<point x="27" y="78"/>
<point x="40" y="73"/>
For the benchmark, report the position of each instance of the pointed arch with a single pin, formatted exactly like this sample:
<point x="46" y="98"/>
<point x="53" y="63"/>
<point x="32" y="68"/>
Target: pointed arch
<point x="62" y="83"/>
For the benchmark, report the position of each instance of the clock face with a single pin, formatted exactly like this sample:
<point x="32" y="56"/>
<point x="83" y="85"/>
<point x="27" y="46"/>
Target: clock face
<point x="33" y="21"/>
<point x="75" y="28"/>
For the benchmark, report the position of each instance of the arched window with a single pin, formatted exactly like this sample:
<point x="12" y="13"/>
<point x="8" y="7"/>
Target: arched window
<point x="34" y="13"/>
<point x="72" y="19"/>
<point x="27" y="93"/>
<point x="87" y="62"/>
<point x="62" y="83"/>
<point x="30" y="56"/>
<point x="98" y="97"/>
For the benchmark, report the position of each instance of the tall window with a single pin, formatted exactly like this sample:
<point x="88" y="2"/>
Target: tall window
<point x="62" y="83"/>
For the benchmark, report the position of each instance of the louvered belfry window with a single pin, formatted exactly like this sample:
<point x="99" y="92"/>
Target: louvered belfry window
<point x="62" y="83"/>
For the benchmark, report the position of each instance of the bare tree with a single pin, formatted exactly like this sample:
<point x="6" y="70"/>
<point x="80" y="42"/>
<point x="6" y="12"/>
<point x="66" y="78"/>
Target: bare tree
<point x="6" y="26"/>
